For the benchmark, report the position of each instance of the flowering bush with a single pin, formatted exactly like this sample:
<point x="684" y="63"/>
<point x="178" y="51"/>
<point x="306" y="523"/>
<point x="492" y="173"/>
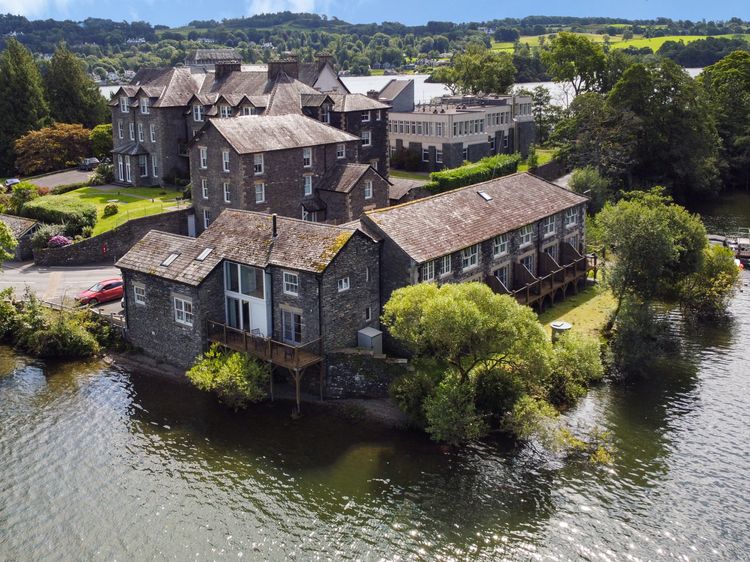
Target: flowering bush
<point x="58" y="241"/>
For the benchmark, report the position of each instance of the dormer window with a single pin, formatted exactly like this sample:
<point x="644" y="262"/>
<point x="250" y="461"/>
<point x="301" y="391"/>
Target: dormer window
<point x="341" y="150"/>
<point x="225" y="111"/>
<point x="198" y="113"/>
<point x="145" y="106"/>
<point x="124" y="107"/>
<point x="325" y="113"/>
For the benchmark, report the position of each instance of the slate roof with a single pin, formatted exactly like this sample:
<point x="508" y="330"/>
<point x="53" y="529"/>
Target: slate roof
<point x="131" y="149"/>
<point x="210" y="56"/>
<point x="18" y="225"/>
<point x="345" y="103"/>
<point x="248" y="134"/>
<point x="393" y="88"/>
<point x="241" y="236"/>
<point x="442" y="224"/>
<point x="401" y="186"/>
<point x="343" y="178"/>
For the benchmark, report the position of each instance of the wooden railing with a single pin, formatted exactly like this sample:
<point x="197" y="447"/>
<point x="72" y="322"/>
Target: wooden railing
<point x="266" y="349"/>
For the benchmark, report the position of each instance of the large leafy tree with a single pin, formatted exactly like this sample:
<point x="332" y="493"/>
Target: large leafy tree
<point x="52" y="148"/>
<point x="481" y="70"/>
<point x="7" y="243"/>
<point x="576" y="59"/>
<point x="22" y="104"/>
<point x="727" y="85"/>
<point x="73" y="96"/>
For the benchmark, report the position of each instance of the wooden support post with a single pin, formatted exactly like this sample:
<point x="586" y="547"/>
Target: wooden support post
<point x="297" y="379"/>
<point x="270" y="365"/>
<point x="322" y="377"/>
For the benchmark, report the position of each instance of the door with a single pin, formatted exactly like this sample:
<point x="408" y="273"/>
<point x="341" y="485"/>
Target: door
<point x="238" y="314"/>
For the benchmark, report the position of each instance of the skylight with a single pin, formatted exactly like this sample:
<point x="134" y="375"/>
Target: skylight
<point x="167" y="262"/>
<point x="204" y="254"/>
<point x="484" y="195"/>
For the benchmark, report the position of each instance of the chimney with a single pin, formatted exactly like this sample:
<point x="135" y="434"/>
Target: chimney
<point x="288" y="65"/>
<point x="373" y="94"/>
<point x="323" y="58"/>
<point x="225" y="68"/>
<point x="274" y="229"/>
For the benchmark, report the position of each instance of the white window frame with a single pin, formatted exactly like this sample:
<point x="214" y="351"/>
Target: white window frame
<point x="139" y="294"/>
<point x="203" y="159"/>
<point x="204" y="188"/>
<point x="154" y="167"/>
<point x="183" y="310"/>
<point x="206" y="218"/>
<point x="198" y="113"/>
<point x="571" y="217"/>
<point x="128" y="171"/>
<point x="290" y="281"/>
<point x="325" y="113"/>
<point x="227" y="193"/>
<point x="124" y="104"/>
<point x="500" y="245"/>
<point x="368" y="189"/>
<point x="131" y="131"/>
<point x="225" y="160"/>
<point x="470" y="257"/>
<point x="260" y="193"/>
<point x="225" y="111"/>
<point x="365" y="117"/>
<point x="378" y="115"/>
<point x="143" y="165"/>
<point x="366" y="137"/>
<point x="525" y="235"/>
<point x="120" y="168"/>
<point x="258" y="164"/>
<point x="152" y="132"/>
<point x="444" y="267"/>
<point x="343" y="284"/>
<point x="286" y="317"/>
<point x="548" y="226"/>
<point x="341" y="150"/>
<point x="438" y="156"/>
<point x="307" y="157"/>
<point x="425" y="155"/>
<point x="140" y="132"/>
<point x="145" y="106"/>
<point x="307" y="185"/>
<point x="427" y="271"/>
<point x="120" y="129"/>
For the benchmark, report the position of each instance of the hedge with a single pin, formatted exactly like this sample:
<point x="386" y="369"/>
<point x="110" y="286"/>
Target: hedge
<point x="58" y="209"/>
<point x="486" y="169"/>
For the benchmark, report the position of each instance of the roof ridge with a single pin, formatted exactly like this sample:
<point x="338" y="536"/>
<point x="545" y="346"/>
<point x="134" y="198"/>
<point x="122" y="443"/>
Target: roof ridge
<point x="285" y="218"/>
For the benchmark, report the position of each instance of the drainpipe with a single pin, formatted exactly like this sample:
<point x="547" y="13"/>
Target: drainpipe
<point x="320" y="311"/>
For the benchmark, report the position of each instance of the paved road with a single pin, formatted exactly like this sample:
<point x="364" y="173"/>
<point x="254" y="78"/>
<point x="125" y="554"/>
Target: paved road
<point x="61" y="178"/>
<point x="55" y="283"/>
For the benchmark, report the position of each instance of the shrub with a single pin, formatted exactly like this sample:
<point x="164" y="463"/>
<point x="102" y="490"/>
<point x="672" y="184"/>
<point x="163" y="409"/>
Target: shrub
<point x="576" y="363"/>
<point x="58" y="242"/>
<point x="75" y="214"/>
<point x="87" y="232"/>
<point x="104" y="174"/>
<point x="51" y="148"/>
<point x="589" y="181"/>
<point x="451" y="414"/>
<point x="486" y="169"/>
<point x="44" y="233"/>
<point x="111" y="209"/>
<point x="21" y="194"/>
<point x="60" y="189"/>
<point x="235" y="378"/>
<point x="409" y="392"/>
<point x="706" y="293"/>
<point x="101" y="140"/>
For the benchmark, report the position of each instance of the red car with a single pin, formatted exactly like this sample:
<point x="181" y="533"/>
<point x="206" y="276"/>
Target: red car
<point x="103" y="291"/>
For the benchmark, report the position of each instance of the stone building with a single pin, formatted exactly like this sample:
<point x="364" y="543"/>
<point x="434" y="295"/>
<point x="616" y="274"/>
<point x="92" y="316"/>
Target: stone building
<point x="158" y="113"/>
<point x="287" y="164"/>
<point x="285" y="290"/>
<point x="22" y="229"/>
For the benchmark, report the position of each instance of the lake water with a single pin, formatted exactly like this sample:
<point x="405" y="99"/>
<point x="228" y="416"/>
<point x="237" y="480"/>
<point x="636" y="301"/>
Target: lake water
<point x="100" y="463"/>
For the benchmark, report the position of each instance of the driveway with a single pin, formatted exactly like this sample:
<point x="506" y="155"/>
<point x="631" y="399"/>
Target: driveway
<point x="55" y="283"/>
<point x="61" y="178"/>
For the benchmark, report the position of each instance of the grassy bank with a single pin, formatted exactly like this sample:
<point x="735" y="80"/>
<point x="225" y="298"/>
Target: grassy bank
<point x="544" y="155"/>
<point x="587" y="311"/>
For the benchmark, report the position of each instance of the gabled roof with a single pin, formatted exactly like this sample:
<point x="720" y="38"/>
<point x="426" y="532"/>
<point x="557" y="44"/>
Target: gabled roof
<point x="250" y="134"/>
<point x="18" y="225"/>
<point x="240" y="236"/>
<point x="401" y="186"/>
<point x="286" y="96"/>
<point x="343" y="178"/>
<point x="345" y="103"/>
<point x="442" y="224"/>
<point x="393" y="88"/>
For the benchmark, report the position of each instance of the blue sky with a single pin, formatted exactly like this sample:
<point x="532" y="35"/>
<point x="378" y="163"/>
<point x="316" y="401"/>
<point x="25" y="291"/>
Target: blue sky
<point x="179" y="12"/>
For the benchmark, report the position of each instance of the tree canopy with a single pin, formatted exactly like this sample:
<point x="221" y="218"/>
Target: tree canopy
<point x="575" y="59"/>
<point x="7" y="243"/>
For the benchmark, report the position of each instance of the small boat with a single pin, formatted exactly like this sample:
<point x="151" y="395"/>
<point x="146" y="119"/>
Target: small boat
<point x="739" y="243"/>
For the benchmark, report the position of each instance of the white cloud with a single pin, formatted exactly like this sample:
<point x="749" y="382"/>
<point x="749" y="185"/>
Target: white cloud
<point x="273" y="6"/>
<point x="32" y="7"/>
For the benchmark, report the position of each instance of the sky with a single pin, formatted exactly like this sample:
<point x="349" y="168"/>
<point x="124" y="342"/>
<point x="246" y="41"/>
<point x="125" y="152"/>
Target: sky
<point x="180" y="12"/>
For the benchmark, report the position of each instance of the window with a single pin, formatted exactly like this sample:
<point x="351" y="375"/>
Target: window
<point x="206" y="218"/>
<point x="375" y="163"/>
<point x="553" y="251"/>
<point x="307" y="157"/>
<point x="145" y="106"/>
<point x="143" y="165"/>
<point x="119" y="129"/>
<point x="225" y="111"/>
<point x="260" y="193"/>
<point x="227" y="193"/>
<point x="204" y="188"/>
<point x="341" y="150"/>
<point x="505" y="140"/>
<point x="439" y="156"/>
<point x="367" y="274"/>
<point x="365" y="117"/>
<point x="470" y="257"/>
<point x="500" y="245"/>
<point x="528" y="263"/>
<point x="492" y="144"/>
<point x="308" y="185"/>
<point x="244" y="280"/>
<point x="152" y="132"/>
<point x="169" y="260"/>
<point x="248" y="110"/>
<point x="343" y="284"/>
<point x="203" y="157"/>
<point x="204" y="254"/>
<point x="291" y="283"/>
<point x="325" y="113"/>
<point x="548" y="226"/>
<point x="197" y="113"/>
<point x="154" y="167"/>
<point x="419" y="127"/>
<point x="366" y="139"/>
<point x="427" y="272"/>
<point x="571" y="217"/>
<point x="425" y="155"/>
<point x="465" y="154"/>
<point x="368" y="314"/>
<point x="124" y="107"/>
<point x="183" y="311"/>
<point x="140" y="132"/>
<point x="291" y="327"/>
<point x="526" y="234"/>
<point x="503" y="275"/>
<point x="131" y="131"/>
<point x="225" y="160"/>
<point x="258" y="164"/>
<point x="139" y="293"/>
<point x="444" y="266"/>
<point x="120" y="168"/>
<point x="439" y="129"/>
<point x="128" y="176"/>
<point x="368" y="189"/>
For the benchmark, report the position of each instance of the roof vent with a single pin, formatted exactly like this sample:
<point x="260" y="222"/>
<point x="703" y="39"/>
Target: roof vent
<point x="484" y="195"/>
<point x="204" y="254"/>
<point x="167" y="262"/>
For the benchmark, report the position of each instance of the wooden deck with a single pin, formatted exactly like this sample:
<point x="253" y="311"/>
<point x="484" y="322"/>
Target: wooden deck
<point x="554" y="279"/>
<point x="281" y="354"/>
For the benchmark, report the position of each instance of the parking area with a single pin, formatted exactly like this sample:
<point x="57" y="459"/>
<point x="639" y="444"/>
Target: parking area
<point x="60" y="178"/>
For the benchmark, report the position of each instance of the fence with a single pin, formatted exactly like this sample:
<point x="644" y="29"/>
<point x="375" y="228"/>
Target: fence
<point x="165" y="206"/>
<point x="115" y="319"/>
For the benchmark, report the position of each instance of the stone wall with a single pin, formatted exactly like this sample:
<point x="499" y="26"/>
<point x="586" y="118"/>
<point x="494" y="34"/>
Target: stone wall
<point x="355" y="373"/>
<point x="112" y="245"/>
<point x="352" y="123"/>
<point x="551" y="170"/>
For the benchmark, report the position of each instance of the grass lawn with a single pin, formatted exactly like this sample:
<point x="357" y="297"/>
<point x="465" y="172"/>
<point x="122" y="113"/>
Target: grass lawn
<point x="409" y="175"/>
<point x="544" y="155"/>
<point x="587" y="311"/>
<point x="147" y="201"/>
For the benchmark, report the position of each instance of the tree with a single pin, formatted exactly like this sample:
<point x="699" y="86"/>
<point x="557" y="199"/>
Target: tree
<point x="73" y="97"/>
<point x="481" y="70"/>
<point x="22" y="102"/>
<point x="707" y="292"/>
<point x="445" y="75"/>
<point x="546" y="114"/>
<point x="52" y="148"/>
<point x="657" y="244"/>
<point x="8" y="243"/>
<point x="21" y="194"/>
<point x="588" y="181"/>
<point x="101" y="140"/>
<point x="576" y="59"/>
